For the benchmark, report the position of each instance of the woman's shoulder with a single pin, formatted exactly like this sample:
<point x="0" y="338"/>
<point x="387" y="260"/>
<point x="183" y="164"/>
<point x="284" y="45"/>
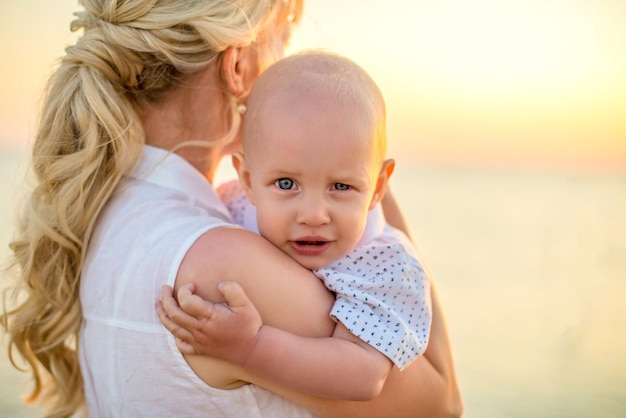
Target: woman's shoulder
<point x="222" y="253"/>
<point x="273" y="281"/>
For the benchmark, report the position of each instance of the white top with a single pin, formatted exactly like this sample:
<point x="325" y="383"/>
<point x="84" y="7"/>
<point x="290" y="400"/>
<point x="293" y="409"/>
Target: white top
<point x="382" y="291"/>
<point x="129" y="361"/>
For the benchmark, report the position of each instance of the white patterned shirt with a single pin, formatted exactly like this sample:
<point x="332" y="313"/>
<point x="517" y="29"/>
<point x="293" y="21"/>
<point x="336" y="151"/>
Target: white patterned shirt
<point x="382" y="291"/>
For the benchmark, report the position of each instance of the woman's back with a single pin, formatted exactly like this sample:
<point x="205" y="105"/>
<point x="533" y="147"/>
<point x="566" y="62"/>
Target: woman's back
<point x="130" y="363"/>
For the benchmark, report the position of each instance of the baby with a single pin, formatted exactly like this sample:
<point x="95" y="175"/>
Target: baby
<point x="313" y="168"/>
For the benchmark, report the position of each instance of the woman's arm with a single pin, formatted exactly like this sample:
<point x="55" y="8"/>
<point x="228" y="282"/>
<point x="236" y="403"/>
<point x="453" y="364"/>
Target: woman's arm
<point x="290" y="297"/>
<point x="337" y="367"/>
<point x="286" y="295"/>
<point x="426" y="388"/>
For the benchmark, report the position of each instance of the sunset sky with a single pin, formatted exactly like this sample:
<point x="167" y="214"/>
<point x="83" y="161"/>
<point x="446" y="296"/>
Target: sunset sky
<point x="534" y="83"/>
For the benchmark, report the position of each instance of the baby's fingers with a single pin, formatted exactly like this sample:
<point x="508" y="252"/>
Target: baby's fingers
<point x="179" y="332"/>
<point x="234" y="295"/>
<point x="175" y="315"/>
<point x="185" y="347"/>
<point x="193" y="304"/>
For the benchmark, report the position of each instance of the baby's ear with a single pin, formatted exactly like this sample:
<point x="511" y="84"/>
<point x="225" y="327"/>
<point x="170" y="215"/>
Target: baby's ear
<point x="239" y="163"/>
<point x="381" y="182"/>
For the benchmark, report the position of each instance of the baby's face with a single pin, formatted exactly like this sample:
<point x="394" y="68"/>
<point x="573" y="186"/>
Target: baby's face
<point x="312" y="178"/>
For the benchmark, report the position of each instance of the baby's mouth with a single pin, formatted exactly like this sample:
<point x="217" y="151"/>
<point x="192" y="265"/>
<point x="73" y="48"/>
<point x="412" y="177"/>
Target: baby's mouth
<point x="315" y="243"/>
<point x="313" y="246"/>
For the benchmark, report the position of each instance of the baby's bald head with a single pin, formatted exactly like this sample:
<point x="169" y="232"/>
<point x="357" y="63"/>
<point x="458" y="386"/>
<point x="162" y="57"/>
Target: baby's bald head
<point x="302" y="84"/>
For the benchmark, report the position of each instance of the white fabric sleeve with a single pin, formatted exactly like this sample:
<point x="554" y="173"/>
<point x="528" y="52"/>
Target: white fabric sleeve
<point x="383" y="296"/>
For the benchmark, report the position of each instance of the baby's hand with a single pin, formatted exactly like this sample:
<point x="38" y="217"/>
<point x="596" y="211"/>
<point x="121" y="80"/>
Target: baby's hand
<point x="226" y="331"/>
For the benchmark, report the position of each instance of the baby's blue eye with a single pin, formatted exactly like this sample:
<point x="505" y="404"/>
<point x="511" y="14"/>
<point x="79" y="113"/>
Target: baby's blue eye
<point x="285" y="184"/>
<point x="342" y="186"/>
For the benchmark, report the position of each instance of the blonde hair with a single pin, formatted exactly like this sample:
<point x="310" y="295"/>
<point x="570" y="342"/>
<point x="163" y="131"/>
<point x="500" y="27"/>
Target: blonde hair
<point x="89" y="136"/>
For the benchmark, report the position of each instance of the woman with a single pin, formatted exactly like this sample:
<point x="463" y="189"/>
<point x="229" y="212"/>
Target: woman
<point x="136" y="119"/>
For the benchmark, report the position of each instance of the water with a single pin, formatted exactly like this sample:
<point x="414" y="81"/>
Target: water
<point x="531" y="269"/>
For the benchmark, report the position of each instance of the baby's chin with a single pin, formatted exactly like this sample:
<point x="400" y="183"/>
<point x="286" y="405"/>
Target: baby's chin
<point x="313" y="265"/>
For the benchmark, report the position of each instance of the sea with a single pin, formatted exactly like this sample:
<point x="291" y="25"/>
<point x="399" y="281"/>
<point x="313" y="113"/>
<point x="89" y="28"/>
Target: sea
<point x="529" y="264"/>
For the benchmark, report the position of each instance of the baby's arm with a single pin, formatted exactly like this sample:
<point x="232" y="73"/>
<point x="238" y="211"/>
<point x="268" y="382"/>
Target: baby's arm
<point x="338" y="367"/>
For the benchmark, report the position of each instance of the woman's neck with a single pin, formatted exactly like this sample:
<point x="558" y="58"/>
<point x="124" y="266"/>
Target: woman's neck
<point x="189" y="120"/>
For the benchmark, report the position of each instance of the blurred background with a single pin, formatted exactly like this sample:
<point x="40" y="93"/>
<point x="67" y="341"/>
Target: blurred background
<point x="508" y="123"/>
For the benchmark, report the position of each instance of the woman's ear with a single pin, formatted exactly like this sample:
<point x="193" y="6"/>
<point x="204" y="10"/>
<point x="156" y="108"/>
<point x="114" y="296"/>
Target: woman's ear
<point x="239" y="68"/>
<point x="239" y="163"/>
<point x="381" y="182"/>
